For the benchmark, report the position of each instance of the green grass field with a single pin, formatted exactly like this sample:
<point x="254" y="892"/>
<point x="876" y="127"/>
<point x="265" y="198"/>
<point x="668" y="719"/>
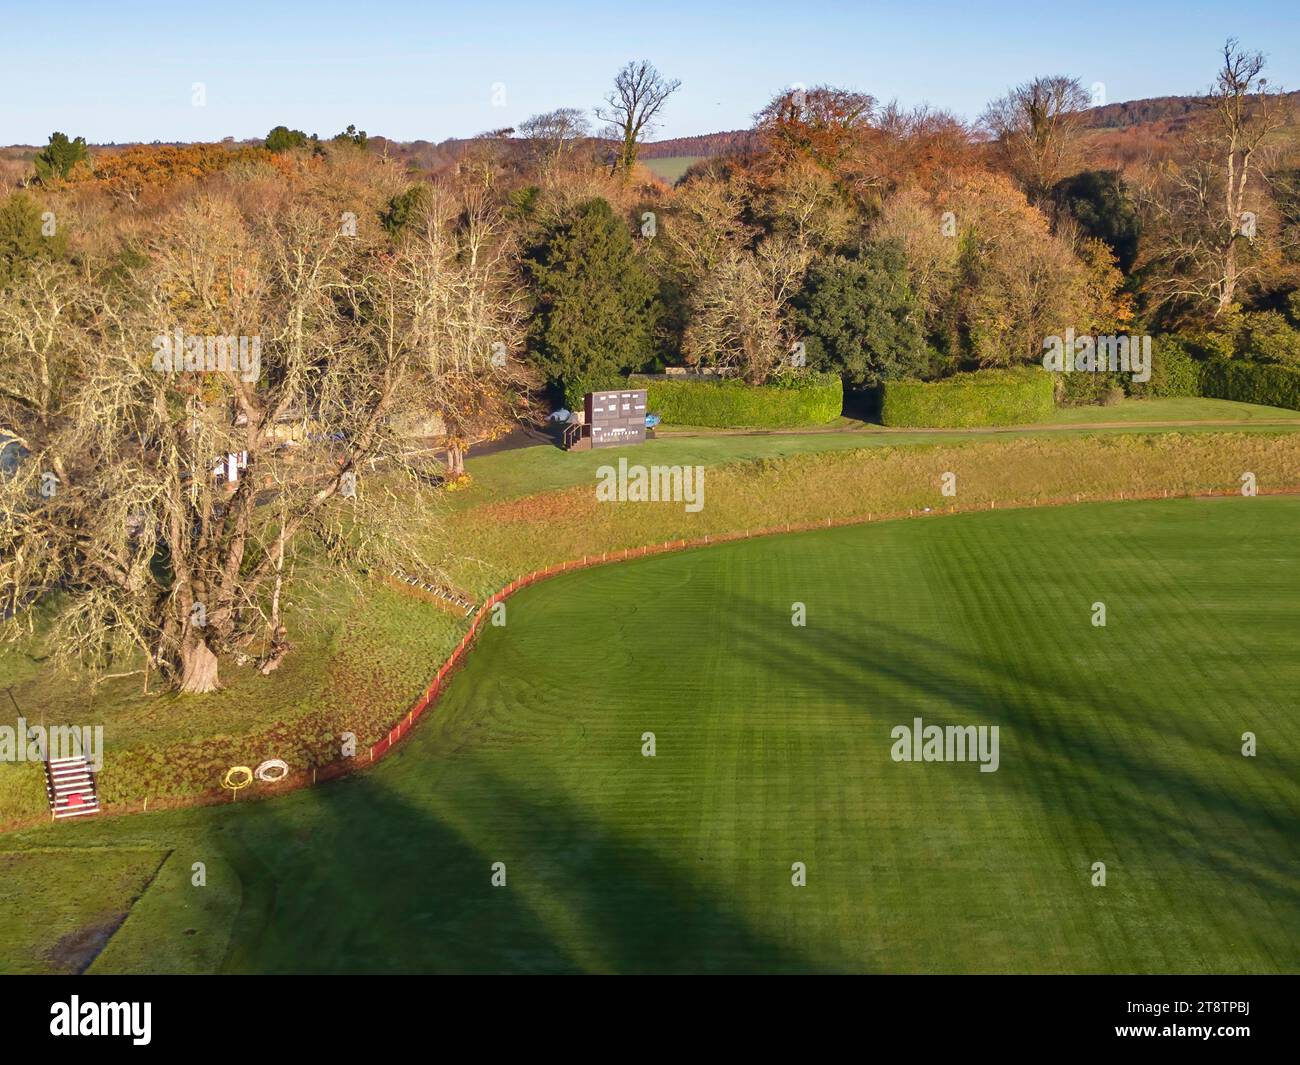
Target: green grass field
<point x="1118" y="744"/>
<point x="59" y="907"/>
<point x="670" y="168"/>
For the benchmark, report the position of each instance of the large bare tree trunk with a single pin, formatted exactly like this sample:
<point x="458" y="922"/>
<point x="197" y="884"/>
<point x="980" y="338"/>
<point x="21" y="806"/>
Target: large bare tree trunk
<point x="198" y="667"/>
<point x="1228" y="289"/>
<point x="280" y="647"/>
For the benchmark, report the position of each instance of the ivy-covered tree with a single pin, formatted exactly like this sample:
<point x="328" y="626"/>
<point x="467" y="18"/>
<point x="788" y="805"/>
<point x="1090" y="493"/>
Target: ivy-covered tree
<point x="597" y="304"/>
<point x="859" y="317"/>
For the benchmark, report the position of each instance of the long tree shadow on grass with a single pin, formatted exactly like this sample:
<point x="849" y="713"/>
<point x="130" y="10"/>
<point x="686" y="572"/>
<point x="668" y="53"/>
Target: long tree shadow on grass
<point x="1155" y="809"/>
<point x="371" y="875"/>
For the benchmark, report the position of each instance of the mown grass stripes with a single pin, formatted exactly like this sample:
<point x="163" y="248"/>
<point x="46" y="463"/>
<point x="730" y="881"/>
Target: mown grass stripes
<point x="1118" y="744"/>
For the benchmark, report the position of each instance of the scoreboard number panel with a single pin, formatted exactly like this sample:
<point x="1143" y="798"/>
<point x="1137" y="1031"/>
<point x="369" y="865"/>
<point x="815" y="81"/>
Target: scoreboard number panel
<point x="616" y="418"/>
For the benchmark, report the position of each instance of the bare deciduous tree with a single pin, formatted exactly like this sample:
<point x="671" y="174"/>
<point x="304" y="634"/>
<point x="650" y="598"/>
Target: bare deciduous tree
<point x="1206" y="208"/>
<point x="629" y="112"/>
<point x="237" y="399"/>
<point x="1037" y="128"/>
<point x="456" y="276"/>
<point x="553" y="136"/>
<point x="739" y="283"/>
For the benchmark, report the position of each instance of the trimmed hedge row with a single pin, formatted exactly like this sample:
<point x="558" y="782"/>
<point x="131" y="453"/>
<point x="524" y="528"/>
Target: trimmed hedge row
<point x="786" y="403"/>
<point x="575" y="390"/>
<point x="985" y="397"/>
<point x="1174" y="371"/>
<point x="1251" y="382"/>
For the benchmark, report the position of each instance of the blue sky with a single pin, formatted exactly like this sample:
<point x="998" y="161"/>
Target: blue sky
<point x="124" y="71"/>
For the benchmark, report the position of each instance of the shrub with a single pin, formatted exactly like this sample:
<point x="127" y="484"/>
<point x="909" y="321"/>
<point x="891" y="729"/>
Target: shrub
<point x="1252" y="382"/>
<point x="1078" y="389"/>
<point x="986" y="397"/>
<point x="22" y="239"/>
<point x="784" y="403"/>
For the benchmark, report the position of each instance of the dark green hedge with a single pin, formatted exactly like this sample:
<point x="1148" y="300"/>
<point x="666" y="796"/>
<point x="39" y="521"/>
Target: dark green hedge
<point x="1251" y="382"/>
<point x="1174" y="371"/>
<point x="786" y="403"/>
<point x="985" y="397"/>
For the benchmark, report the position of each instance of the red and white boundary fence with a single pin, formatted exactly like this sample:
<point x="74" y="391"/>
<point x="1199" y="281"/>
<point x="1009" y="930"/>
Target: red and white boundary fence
<point x="343" y="766"/>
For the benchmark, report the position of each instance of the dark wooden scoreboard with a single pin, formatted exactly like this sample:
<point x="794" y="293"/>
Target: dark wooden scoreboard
<point x="616" y="418"/>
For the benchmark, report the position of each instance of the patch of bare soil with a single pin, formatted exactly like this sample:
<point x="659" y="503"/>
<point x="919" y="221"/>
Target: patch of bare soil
<point x="74" y="952"/>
